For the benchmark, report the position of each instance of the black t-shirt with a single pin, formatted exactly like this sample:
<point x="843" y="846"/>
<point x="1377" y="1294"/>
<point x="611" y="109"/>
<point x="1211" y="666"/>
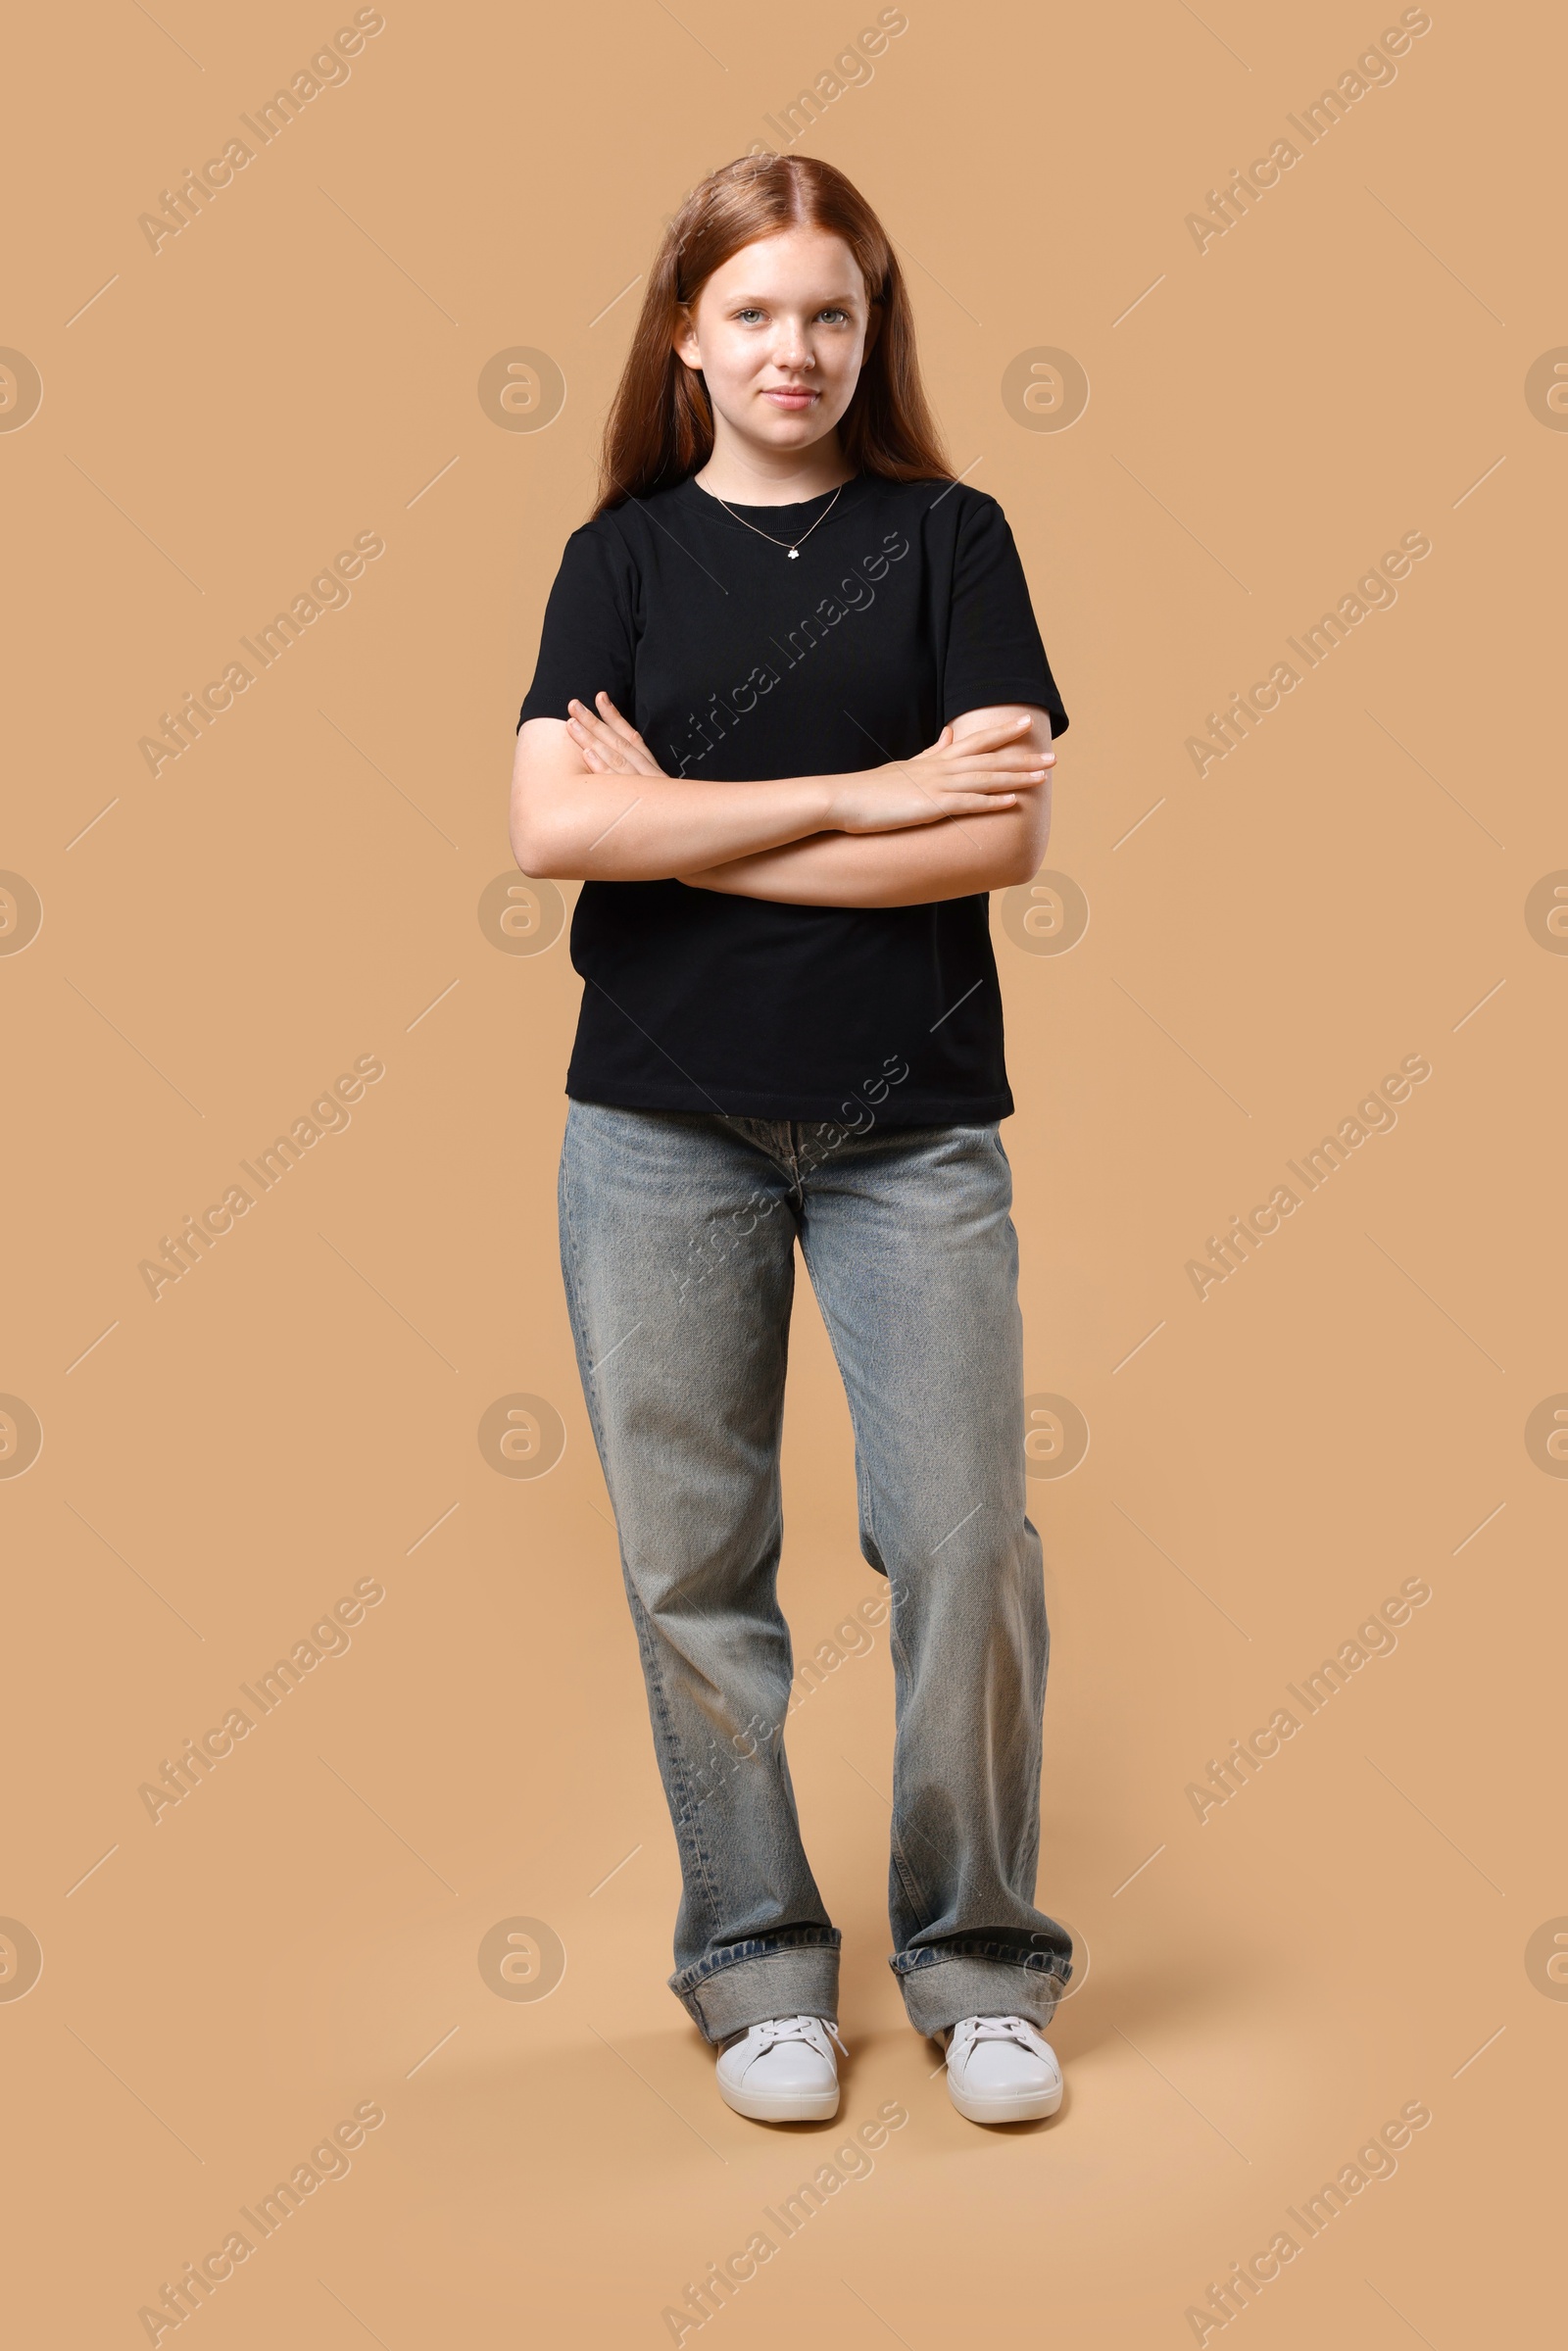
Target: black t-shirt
<point x="905" y="606"/>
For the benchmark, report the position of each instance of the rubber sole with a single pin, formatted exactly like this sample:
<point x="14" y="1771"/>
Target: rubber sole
<point x="782" y="2106"/>
<point x="1027" y="2108"/>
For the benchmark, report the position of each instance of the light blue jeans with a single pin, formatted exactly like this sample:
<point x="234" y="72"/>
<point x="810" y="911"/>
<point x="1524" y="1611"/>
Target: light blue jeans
<point x="678" y="1236"/>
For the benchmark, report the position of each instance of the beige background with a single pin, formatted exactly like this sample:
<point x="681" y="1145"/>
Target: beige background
<point x="301" y="1411"/>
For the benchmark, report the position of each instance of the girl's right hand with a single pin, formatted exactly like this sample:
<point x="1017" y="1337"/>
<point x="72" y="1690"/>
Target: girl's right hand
<point x="979" y="776"/>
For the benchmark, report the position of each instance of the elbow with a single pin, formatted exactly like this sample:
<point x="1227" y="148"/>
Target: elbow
<point x="1028" y="850"/>
<point x="1023" y="860"/>
<point x="537" y="848"/>
<point x="539" y="865"/>
<point x="531" y="857"/>
<point x="1017" y="870"/>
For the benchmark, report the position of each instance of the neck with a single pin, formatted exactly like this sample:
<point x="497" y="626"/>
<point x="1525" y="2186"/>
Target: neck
<point x="754" y="476"/>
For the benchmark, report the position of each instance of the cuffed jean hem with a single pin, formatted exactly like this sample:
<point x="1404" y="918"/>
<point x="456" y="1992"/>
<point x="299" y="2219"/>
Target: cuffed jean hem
<point x="943" y="1988"/>
<point x="753" y="1981"/>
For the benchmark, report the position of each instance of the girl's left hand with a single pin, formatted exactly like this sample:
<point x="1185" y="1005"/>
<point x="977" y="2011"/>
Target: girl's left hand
<point x="608" y="743"/>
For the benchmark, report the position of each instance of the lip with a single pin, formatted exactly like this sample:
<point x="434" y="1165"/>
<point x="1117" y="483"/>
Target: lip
<point x="790" y="397"/>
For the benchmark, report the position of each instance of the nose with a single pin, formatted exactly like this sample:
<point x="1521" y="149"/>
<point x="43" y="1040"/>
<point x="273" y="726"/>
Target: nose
<point x="791" y="349"/>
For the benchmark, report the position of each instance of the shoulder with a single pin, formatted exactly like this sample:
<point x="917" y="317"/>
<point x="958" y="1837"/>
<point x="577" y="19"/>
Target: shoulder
<point x="606" y="555"/>
<point x="975" y="512"/>
<point x="633" y="524"/>
<point x="603" y="535"/>
<point x="944" y="509"/>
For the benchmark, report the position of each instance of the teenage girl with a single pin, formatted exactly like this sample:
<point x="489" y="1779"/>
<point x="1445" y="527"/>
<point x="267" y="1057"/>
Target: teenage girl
<point x="791" y="721"/>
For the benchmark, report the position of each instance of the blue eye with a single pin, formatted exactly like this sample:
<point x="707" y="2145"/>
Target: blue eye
<point x="829" y="311"/>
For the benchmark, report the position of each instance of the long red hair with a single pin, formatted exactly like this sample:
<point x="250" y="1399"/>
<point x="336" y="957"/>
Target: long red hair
<point x="661" y="426"/>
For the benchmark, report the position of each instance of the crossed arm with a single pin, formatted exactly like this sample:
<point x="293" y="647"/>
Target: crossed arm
<point x="971" y="813"/>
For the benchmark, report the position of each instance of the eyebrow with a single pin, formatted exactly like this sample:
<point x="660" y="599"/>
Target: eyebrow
<point x="819" y="302"/>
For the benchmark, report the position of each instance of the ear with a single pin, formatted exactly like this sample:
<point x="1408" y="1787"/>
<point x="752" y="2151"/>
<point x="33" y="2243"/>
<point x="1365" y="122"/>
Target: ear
<point x="684" y="341"/>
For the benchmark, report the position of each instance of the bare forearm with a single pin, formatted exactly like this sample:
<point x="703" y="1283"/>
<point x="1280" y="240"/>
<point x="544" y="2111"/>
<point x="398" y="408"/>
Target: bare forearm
<point x="590" y="804"/>
<point x="956" y="859"/>
<point x="648" y="828"/>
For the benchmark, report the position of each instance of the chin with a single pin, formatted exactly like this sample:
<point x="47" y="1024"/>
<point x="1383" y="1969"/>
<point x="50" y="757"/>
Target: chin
<point x="794" y="424"/>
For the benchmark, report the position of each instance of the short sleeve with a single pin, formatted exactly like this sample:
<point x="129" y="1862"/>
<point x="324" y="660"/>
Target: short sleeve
<point x="994" y="650"/>
<point x="588" y="642"/>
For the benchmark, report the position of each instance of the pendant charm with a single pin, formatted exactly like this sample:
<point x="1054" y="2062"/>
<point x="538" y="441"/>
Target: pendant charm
<point x="794" y="553"/>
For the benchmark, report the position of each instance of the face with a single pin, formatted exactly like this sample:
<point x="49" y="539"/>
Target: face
<point x="779" y="332"/>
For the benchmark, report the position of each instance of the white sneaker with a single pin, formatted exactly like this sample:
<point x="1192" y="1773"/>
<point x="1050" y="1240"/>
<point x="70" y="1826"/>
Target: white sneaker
<point x="783" y="2070"/>
<point x="999" y="2070"/>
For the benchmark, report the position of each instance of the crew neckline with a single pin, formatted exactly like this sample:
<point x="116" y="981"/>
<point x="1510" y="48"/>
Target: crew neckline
<point x="795" y="506"/>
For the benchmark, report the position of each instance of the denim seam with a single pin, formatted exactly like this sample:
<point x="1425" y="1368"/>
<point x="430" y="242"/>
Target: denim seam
<point x="914" y="1893"/>
<point x="1029" y="1963"/>
<point x="645" y="1640"/>
<point x="768" y="1147"/>
<point x="814" y="1939"/>
<point x="914" y="1890"/>
<point x="683" y="1814"/>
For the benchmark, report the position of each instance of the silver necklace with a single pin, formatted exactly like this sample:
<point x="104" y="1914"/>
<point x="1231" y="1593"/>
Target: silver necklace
<point x="791" y="550"/>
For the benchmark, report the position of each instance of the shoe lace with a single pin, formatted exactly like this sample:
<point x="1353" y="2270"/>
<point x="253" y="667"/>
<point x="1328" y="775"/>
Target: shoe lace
<point x="808" y="2028"/>
<point x="1000" y="2027"/>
